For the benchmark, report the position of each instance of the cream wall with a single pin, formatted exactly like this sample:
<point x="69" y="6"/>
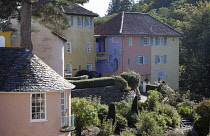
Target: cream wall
<point x="171" y="68"/>
<point x="15" y="115"/>
<point x="46" y="46"/>
<point x="79" y="36"/>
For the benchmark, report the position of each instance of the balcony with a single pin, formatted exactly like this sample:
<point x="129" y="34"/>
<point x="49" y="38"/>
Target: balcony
<point x="67" y="123"/>
<point x="101" y="56"/>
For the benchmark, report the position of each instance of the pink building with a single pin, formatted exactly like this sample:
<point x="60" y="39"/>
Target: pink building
<point x="35" y="100"/>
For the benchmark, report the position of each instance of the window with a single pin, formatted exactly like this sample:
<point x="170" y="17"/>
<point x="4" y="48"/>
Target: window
<point x="146" y="41"/>
<point x="71" y="21"/>
<point x="63" y="103"/>
<point x="88" y="22"/>
<point x="130" y="42"/>
<point x="88" y="47"/>
<point x="142" y="60"/>
<point x="89" y="67"/>
<point x="159" y="59"/>
<point x="115" y="39"/>
<point x="69" y="49"/>
<point x="129" y="63"/>
<point x="80" y="21"/>
<point x="2" y="41"/>
<point x="160" y="41"/>
<point x="38" y="106"/>
<point x="68" y="69"/>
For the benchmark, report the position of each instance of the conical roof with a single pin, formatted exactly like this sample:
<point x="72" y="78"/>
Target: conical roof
<point x="22" y="71"/>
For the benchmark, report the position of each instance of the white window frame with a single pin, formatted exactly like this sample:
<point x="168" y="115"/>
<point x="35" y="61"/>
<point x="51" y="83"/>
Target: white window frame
<point x="89" y="67"/>
<point x="79" y="21"/>
<point x="160" y="59"/>
<point x="63" y="103"/>
<point x="114" y="39"/>
<point x="130" y="41"/>
<point x="146" y="40"/>
<point x="68" y="69"/>
<point x="69" y="47"/>
<point x="38" y="103"/>
<point x="160" y="40"/>
<point x="88" y="47"/>
<point x="87" y="22"/>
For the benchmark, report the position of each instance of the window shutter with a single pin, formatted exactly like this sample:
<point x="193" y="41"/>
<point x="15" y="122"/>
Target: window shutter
<point x="82" y="21"/>
<point x="146" y="59"/>
<point x="165" y="59"/>
<point x="151" y="40"/>
<point x="142" y="41"/>
<point x="85" y="23"/>
<point x="78" y="21"/>
<point x="165" y="40"/>
<point x="91" y="21"/>
<point x="72" y="21"/>
<point x="156" y="59"/>
<point x="156" y="40"/>
<point x="137" y="60"/>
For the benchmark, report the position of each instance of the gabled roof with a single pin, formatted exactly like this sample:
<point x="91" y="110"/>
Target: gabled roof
<point x="22" y="71"/>
<point x="134" y="23"/>
<point x="78" y="10"/>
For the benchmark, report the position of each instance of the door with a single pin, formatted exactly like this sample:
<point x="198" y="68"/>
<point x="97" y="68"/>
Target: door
<point x="2" y="41"/>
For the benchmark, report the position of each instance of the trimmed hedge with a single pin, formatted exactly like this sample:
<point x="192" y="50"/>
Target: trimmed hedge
<point x="77" y="78"/>
<point x="93" y="83"/>
<point x="121" y="83"/>
<point x="132" y="78"/>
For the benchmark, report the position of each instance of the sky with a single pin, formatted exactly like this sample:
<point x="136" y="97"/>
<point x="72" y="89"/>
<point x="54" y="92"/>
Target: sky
<point x="98" y="6"/>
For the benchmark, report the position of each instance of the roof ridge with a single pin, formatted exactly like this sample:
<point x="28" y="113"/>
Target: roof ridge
<point x="122" y="21"/>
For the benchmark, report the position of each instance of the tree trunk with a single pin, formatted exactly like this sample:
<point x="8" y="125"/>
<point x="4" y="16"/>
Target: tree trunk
<point x="25" y="26"/>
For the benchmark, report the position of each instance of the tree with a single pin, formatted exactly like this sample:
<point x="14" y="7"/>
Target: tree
<point x="194" y="50"/>
<point x="117" y="6"/>
<point x="24" y="9"/>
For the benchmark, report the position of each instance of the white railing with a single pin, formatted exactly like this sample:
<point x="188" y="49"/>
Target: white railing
<point x="67" y="123"/>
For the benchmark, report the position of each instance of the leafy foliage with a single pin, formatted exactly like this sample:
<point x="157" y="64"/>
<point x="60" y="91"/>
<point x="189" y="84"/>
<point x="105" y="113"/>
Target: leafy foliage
<point x="132" y="78"/>
<point x="154" y="98"/>
<point x="121" y="83"/>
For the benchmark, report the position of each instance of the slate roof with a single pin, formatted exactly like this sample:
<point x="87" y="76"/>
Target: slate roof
<point x="134" y="23"/>
<point x="78" y="10"/>
<point x="22" y="71"/>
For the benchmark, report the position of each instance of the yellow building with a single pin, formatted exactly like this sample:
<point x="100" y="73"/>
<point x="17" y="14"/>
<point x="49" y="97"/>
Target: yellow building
<point x="6" y="36"/>
<point x="79" y="50"/>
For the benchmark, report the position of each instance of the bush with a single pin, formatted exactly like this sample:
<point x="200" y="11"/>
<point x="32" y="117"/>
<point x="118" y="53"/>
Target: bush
<point x="202" y="122"/>
<point x="77" y="78"/>
<point x="128" y="132"/>
<point x="142" y="105"/>
<point x="134" y="107"/>
<point x="122" y="122"/>
<point x="151" y="87"/>
<point x="107" y="128"/>
<point x="112" y="112"/>
<point x="102" y="110"/>
<point x="82" y="109"/>
<point x="132" y="78"/>
<point x="84" y="72"/>
<point x="121" y="83"/>
<point x="132" y="118"/>
<point x="94" y="83"/>
<point x="153" y="100"/>
<point x="122" y="107"/>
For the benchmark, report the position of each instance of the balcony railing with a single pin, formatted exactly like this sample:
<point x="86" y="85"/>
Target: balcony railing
<point x="101" y="56"/>
<point x="67" y="123"/>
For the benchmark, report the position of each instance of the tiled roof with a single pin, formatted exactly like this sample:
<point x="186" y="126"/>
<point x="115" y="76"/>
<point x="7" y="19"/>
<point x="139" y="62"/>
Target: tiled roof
<point x="7" y="28"/>
<point x="78" y="10"/>
<point x="134" y="23"/>
<point x="22" y="71"/>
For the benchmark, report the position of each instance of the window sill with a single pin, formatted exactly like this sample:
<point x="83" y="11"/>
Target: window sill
<point x="38" y="120"/>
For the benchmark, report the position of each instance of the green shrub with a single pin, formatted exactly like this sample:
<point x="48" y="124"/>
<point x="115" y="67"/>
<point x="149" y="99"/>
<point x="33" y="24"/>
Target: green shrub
<point x="102" y="110"/>
<point x="134" y="107"/>
<point x="202" y="122"/>
<point x="112" y="112"/>
<point x="122" y="122"/>
<point x="171" y="115"/>
<point x="122" y="107"/>
<point x="77" y="78"/>
<point x="151" y="87"/>
<point x="84" y="72"/>
<point x="85" y="112"/>
<point x="121" y="83"/>
<point x="128" y="132"/>
<point x="132" y="118"/>
<point x="94" y="83"/>
<point x="148" y="125"/>
<point x="142" y="105"/>
<point x="107" y="127"/>
<point x="154" y="98"/>
<point x="132" y="78"/>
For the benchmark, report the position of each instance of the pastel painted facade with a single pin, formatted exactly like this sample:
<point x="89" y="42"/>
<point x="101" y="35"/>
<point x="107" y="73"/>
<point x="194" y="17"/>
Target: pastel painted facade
<point x="129" y="41"/>
<point x="80" y="51"/>
<point x="47" y="45"/>
<point x="36" y="101"/>
<point x="6" y="36"/>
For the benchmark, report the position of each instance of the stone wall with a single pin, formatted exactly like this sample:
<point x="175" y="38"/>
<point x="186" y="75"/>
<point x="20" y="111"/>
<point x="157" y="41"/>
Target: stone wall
<point x="108" y="94"/>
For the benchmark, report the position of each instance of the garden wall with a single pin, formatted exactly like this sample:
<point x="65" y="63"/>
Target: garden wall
<point x="108" y="94"/>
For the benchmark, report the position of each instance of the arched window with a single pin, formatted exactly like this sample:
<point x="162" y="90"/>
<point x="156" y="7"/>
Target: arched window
<point x="2" y="41"/>
<point x="115" y="66"/>
<point x="160" y="77"/>
<point x="68" y="69"/>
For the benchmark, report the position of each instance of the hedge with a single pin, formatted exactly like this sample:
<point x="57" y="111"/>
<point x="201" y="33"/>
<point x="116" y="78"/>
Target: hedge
<point x="93" y="83"/>
<point x="121" y="83"/>
<point x="77" y="78"/>
<point x="132" y="78"/>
